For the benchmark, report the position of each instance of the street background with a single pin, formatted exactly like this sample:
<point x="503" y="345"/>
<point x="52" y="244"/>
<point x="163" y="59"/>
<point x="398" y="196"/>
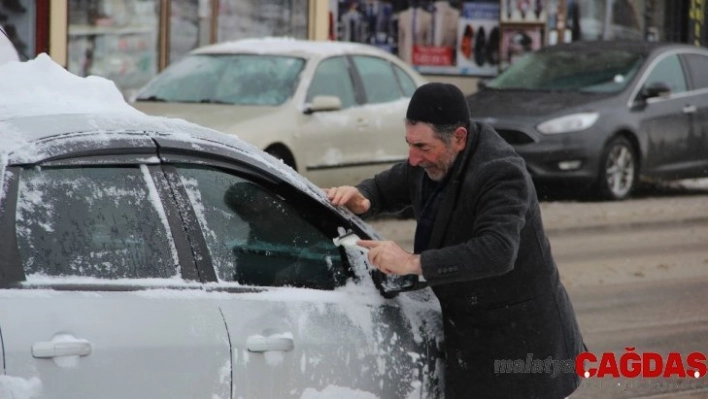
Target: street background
<point x="637" y="273"/>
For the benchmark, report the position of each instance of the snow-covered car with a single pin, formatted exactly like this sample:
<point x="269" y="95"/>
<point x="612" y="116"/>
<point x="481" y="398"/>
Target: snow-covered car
<point x="149" y="257"/>
<point x="331" y="110"/>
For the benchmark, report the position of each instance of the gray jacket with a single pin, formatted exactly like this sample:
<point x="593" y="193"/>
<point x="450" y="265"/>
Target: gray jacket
<point x="489" y="262"/>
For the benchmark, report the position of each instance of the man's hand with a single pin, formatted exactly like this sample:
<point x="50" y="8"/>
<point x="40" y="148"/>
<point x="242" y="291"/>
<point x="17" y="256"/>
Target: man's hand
<point x="350" y="197"/>
<point x="390" y="258"/>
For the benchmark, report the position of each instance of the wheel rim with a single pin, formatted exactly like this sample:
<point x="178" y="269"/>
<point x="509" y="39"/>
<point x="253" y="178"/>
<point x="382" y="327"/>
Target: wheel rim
<point x="619" y="170"/>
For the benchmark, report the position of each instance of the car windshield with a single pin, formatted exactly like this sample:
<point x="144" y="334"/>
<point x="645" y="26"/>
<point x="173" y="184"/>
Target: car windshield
<point x="605" y="71"/>
<point x="241" y="79"/>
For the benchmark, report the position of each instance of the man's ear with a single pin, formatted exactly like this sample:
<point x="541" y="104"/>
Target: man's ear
<point x="459" y="137"/>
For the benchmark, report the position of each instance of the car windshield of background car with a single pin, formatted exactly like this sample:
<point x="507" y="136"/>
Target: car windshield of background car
<point x="592" y="71"/>
<point x="239" y="79"/>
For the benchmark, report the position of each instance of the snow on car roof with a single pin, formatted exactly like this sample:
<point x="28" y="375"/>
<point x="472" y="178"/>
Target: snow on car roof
<point x="284" y="45"/>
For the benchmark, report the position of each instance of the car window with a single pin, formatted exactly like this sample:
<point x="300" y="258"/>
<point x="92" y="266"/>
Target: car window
<point x="697" y="67"/>
<point x="256" y="237"/>
<point x="407" y="83"/>
<point x="332" y="78"/>
<point x="377" y="76"/>
<point x="102" y="222"/>
<point x="240" y="79"/>
<point x="668" y="71"/>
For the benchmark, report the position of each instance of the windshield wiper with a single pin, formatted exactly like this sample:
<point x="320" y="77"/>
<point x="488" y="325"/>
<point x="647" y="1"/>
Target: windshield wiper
<point x="151" y="98"/>
<point x="212" y="101"/>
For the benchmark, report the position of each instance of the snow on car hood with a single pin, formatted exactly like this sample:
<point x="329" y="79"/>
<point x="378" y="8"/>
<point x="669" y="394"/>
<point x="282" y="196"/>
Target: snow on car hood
<point x="532" y="104"/>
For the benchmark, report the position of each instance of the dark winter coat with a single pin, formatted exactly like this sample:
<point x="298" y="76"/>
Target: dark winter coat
<point x="489" y="262"/>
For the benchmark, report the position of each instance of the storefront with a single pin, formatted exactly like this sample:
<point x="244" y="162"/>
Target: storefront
<point x="129" y="41"/>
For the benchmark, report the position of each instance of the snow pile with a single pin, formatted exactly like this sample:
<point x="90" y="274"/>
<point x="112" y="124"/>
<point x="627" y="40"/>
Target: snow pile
<point x="20" y="388"/>
<point x="41" y="87"/>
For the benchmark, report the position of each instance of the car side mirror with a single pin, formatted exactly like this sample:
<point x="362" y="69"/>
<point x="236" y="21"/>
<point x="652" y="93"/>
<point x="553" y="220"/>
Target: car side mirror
<point x="323" y="103"/>
<point x="656" y="89"/>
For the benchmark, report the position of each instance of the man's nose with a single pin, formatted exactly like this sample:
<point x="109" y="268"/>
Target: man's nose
<point x="413" y="158"/>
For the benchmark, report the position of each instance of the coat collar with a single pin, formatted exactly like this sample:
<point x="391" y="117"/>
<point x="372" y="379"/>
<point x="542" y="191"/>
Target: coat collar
<point x="453" y="187"/>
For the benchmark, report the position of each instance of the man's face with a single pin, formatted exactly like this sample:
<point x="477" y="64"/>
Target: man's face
<point x="431" y="153"/>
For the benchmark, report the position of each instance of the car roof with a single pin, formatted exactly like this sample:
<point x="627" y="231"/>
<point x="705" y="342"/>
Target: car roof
<point x="290" y="46"/>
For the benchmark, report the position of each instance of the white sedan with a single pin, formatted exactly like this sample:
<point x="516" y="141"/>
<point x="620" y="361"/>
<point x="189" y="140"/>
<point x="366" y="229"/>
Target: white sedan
<point x="333" y="111"/>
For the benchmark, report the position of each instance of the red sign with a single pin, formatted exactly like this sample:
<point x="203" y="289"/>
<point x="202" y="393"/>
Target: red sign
<point x="433" y="56"/>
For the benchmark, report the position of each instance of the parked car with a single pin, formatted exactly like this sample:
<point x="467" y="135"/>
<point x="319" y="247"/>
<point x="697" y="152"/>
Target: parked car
<point x="606" y="114"/>
<point x="331" y="110"/>
<point x="149" y="257"/>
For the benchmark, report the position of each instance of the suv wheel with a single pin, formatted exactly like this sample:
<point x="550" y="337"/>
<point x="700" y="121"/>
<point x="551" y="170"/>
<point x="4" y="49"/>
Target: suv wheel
<point x="618" y="170"/>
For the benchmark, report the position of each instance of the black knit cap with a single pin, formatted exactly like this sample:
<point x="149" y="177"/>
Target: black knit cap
<point x="439" y="104"/>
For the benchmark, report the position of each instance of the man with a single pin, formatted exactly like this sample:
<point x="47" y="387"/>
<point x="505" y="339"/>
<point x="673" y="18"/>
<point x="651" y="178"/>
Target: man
<point x="481" y="246"/>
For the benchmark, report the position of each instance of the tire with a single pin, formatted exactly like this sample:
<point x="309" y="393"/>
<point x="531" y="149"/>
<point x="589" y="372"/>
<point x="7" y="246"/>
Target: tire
<point x="283" y="154"/>
<point x="619" y="170"/>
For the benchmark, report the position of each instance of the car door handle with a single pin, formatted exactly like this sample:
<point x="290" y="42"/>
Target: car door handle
<point x="362" y="123"/>
<point x="274" y="343"/>
<point x="689" y="109"/>
<point x="51" y="349"/>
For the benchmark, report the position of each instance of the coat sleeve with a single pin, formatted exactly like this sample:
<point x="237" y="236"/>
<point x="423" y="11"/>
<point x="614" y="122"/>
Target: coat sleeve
<point x="504" y="197"/>
<point x="388" y="191"/>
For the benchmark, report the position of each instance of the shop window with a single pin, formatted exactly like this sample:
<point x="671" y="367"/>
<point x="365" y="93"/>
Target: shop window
<point x="115" y="39"/>
<point x="17" y="18"/>
<point x="240" y="19"/>
<point x="190" y="26"/>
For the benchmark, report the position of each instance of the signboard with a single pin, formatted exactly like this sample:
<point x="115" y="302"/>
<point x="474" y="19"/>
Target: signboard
<point x="435" y="37"/>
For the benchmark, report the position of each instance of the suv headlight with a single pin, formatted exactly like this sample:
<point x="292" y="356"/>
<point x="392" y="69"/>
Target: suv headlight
<point x="568" y="123"/>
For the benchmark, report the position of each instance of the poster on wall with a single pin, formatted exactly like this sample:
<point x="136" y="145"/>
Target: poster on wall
<point x="479" y="38"/>
<point x="519" y="40"/>
<point x="428" y="35"/>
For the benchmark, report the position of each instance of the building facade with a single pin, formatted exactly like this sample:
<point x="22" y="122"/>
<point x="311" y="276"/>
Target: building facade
<point x="129" y="41"/>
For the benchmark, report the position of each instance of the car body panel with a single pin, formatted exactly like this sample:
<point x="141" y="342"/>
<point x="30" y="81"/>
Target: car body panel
<point x="338" y="339"/>
<point x="137" y="346"/>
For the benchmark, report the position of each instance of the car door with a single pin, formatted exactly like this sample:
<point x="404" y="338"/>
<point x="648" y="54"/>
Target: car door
<point x="697" y="64"/>
<point x="337" y="143"/>
<point x="667" y="121"/>
<point x="304" y="316"/>
<point x="99" y="298"/>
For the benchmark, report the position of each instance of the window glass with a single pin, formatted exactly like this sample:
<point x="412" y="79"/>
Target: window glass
<point x="242" y="79"/>
<point x="240" y="19"/>
<point x="255" y="237"/>
<point x="92" y="222"/>
<point x="668" y="71"/>
<point x="190" y="26"/>
<point x="115" y="39"/>
<point x="407" y="83"/>
<point x="605" y="71"/>
<point x="332" y="79"/>
<point x="698" y="66"/>
<point x="380" y="84"/>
